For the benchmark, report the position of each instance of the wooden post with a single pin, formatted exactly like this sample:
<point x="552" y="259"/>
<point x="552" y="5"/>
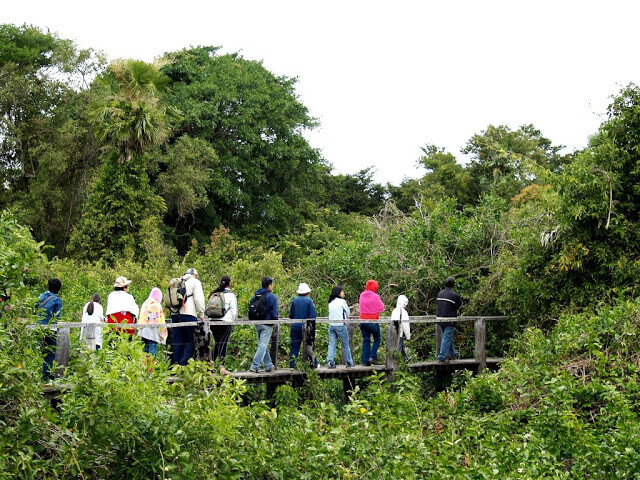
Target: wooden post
<point x="351" y="328"/>
<point x="480" y="330"/>
<point x="393" y="345"/>
<point x="308" y="343"/>
<point x="438" y="338"/>
<point x="62" y="350"/>
<point x="275" y="344"/>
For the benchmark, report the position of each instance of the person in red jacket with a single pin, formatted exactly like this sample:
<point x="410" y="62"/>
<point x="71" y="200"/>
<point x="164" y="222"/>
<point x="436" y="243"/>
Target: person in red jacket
<point x="371" y="307"/>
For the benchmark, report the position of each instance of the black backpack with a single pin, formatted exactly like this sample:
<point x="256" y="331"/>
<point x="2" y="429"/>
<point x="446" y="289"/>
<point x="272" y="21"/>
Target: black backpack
<point x="258" y="307"/>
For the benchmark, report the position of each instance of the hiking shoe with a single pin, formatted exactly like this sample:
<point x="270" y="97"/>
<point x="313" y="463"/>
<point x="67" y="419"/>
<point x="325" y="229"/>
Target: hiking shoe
<point x="253" y="370"/>
<point x="331" y="365"/>
<point x="372" y="361"/>
<point x="267" y="370"/>
<point x="351" y="365"/>
<point x="444" y="362"/>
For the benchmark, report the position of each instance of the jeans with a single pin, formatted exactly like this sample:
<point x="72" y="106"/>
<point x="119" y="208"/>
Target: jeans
<point x="50" y="342"/>
<point x="150" y="347"/>
<point x="369" y="351"/>
<point x="447" y="348"/>
<point x="262" y="352"/>
<point x="296" y="341"/>
<point x="183" y="345"/>
<point x="335" y="333"/>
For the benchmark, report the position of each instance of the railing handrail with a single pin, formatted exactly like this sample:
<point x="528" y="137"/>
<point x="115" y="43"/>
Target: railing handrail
<point x="424" y="319"/>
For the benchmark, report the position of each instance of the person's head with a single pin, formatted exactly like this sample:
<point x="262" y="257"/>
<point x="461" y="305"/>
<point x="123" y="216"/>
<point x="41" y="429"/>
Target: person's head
<point x="156" y="294"/>
<point x="303" y="289"/>
<point x="336" y="292"/>
<point x="225" y="282"/>
<point x="450" y="282"/>
<point x="121" y="283"/>
<point x="192" y="271"/>
<point x="54" y="285"/>
<point x="403" y="301"/>
<point x="372" y="285"/>
<point x="267" y="282"/>
<point x="95" y="298"/>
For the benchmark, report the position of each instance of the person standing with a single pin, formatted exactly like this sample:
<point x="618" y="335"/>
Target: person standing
<point x="48" y="307"/>
<point x="302" y="307"/>
<point x="400" y="314"/>
<point x="191" y="310"/>
<point x="263" y="306"/>
<point x="152" y="313"/>
<point x="338" y="310"/>
<point x="92" y="313"/>
<point x="371" y="307"/>
<point x="448" y="302"/>
<point x="121" y="306"/>
<point x="222" y="330"/>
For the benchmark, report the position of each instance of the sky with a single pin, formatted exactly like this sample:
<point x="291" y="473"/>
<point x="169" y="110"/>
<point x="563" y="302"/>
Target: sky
<point x="385" y="78"/>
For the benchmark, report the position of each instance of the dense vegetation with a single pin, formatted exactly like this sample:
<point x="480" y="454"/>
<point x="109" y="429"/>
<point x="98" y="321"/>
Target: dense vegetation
<point x="199" y="160"/>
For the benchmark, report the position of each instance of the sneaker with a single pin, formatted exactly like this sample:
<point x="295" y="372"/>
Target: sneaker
<point x="331" y="365"/>
<point x="267" y="370"/>
<point x="253" y="370"/>
<point x="443" y="361"/>
<point x="351" y="365"/>
<point x="372" y="361"/>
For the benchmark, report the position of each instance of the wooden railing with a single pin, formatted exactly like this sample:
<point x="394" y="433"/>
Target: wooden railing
<point x="392" y="336"/>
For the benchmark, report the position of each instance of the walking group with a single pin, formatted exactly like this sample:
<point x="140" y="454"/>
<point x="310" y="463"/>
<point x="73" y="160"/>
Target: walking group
<point x="185" y="302"/>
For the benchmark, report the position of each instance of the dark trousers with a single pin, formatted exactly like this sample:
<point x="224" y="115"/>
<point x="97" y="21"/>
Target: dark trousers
<point x="296" y="341"/>
<point x="221" y="334"/>
<point x="183" y="345"/>
<point x="49" y="346"/>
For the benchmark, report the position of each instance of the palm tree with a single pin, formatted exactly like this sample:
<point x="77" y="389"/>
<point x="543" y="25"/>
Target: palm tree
<point x="128" y="111"/>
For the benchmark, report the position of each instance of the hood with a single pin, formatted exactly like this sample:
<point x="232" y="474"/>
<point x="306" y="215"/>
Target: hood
<point x="156" y="294"/>
<point x="402" y="301"/>
<point x="372" y="285"/>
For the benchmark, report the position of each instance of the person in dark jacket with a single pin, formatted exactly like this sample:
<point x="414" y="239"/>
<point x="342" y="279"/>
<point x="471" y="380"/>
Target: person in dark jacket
<point x="302" y="307"/>
<point x="448" y="302"/>
<point x="263" y="331"/>
<point x="48" y="307"/>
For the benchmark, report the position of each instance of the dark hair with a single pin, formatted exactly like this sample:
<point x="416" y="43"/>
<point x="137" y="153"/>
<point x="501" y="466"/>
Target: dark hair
<point x="266" y="281"/>
<point x="450" y="282"/>
<point x="118" y="289"/>
<point x="94" y="298"/>
<point x="335" y="293"/>
<point x="54" y="285"/>
<point x="225" y="281"/>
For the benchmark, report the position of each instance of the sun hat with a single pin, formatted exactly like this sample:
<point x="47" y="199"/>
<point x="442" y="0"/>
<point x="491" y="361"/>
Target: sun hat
<point x="121" y="282"/>
<point x="303" y="288"/>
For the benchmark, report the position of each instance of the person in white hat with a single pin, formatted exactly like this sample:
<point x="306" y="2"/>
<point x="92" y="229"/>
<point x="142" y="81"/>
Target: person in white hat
<point x="302" y="307"/>
<point x="121" y="306"/>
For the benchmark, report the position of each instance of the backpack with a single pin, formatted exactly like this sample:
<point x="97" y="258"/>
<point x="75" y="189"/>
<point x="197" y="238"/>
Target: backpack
<point x="258" y="307"/>
<point x="176" y="294"/>
<point x="215" y="305"/>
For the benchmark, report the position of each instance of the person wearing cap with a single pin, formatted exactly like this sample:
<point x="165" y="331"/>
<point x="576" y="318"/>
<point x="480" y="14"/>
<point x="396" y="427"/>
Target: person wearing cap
<point x="371" y="307"/>
<point x="302" y="307"/>
<point x="448" y="302"/>
<point x="121" y="306"/>
<point x="192" y="309"/>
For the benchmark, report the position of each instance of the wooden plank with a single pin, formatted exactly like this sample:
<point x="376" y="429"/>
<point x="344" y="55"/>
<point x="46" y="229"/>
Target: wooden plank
<point x="62" y="350"/>
<point x="480" y="330"/>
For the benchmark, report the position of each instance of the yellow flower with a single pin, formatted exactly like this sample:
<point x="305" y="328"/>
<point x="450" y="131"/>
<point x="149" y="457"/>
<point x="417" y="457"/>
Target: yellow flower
<point x="363" y="410"/>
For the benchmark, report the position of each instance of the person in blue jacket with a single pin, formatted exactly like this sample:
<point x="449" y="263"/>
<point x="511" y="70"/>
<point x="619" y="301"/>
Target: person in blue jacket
<point x="302" y="307"/>
<point x="267" y="309"/>
<point x="449" y="302"/>
<point x="48" y="307"/>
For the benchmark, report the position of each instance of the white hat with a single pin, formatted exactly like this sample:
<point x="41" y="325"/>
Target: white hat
<point x="303" y="288"/>
<point x="121" y="282"/>
<point x="191" y="271"/>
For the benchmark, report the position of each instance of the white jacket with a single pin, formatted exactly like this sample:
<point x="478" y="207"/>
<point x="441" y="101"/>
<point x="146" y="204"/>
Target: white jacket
<point x="195" y="304"/>
<point x="97" y="317"/>
<point x="231" y="306"/>
<point x="121" y="301"/>
<point x="399" y="313"/>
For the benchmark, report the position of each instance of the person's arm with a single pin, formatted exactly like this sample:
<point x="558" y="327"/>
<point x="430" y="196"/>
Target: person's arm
<point x="198" y="299"/>
<point x="133" y="308"/>
<point x="291" y="309"/>
<point x="274" y="307"/>
<point x="233" y="307"/>
<point x="312" y="310"/>
<point x="380" y="305"/>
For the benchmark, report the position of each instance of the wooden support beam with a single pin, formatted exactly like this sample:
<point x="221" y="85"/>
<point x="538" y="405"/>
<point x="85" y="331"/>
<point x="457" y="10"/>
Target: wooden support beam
<point x="393" y="347"/>
<point x="480" y="330"/>
<point x="275" y="344"/>
<point x="438" y="339"/>
<point x="62" y="350"/>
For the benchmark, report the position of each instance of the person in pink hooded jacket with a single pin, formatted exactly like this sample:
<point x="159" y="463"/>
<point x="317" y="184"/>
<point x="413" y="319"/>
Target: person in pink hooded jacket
<point x="371" y="307"/>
